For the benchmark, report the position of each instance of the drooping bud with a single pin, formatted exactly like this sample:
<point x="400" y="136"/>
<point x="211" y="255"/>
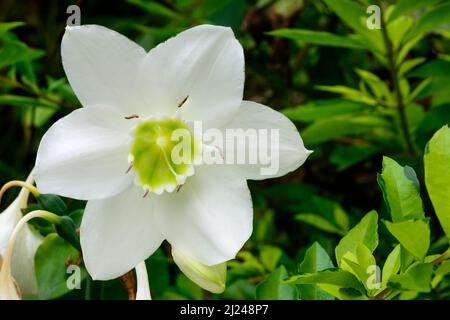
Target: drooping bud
<point x="28" y="240"/>
<point x="211" y="278"/>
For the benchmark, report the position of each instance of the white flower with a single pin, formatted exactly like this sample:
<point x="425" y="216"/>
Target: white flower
<point x="28" y="240"/>
<point x="132" y="102"/>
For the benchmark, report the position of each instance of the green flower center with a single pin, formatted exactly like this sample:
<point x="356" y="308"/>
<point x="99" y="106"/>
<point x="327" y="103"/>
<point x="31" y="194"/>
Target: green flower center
<point x="163" y="154"/>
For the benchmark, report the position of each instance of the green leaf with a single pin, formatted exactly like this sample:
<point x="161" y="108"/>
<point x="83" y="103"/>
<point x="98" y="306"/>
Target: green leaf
<point x="435" y="68"/>
<point x="14" y="51"/>
<point x="273" y="288"/>
<point x="437" y="175"/>
<point x="355" y="16"/>
<point x="397" y="29"/>
<point x="400" y="191"/>
<point x="365" y="232"/>
<point x="321" y="38"/>
<point x="409" y="65"/>
<point x="418" y="90"/>
<point x="441" y="272"/>
<point x="319" y="222"/>
<point x="359" y="263"/>
<point x="155" y="8"/>
<point x="413" y="235"/>
<point x="22" y="101"/>
<point x="404" y="7"/>
<point x="50" y="266"/>
<point x="379" y="88"/>
<point x="316" y="259"/>
<point x="328" y="129"/>
<point x="331" y="280"/>
<point x="416" y="278"/>
<point x="270" y="256"/>
<point x="345" y="157"/>
<point x="391" y="265"/>
<point x="431" y="20"/>
<point x="349" y="93"/>
<point x="319" y="109"/>
<point x="6" y="26"/>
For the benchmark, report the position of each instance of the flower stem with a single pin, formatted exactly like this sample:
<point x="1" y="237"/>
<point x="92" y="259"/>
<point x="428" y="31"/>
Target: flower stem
<point x="17" y="183"/>
<point x="393" y="69"/>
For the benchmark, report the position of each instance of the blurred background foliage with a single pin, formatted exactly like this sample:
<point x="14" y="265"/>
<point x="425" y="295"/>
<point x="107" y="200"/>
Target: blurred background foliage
<point x="355" y="94"/>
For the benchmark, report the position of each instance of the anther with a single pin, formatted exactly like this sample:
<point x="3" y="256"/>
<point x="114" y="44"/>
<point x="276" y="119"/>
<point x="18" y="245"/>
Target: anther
<point x="133" y="116"/>
<point x="182" y="102"/>
<point x="129" y="168"/>
<point x="179" y="187"/>
<point x="146" y="193"/>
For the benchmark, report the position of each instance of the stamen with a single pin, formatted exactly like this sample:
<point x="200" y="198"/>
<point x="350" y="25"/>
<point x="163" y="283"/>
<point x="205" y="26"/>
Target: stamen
<point x="133" y="116"/>
<point x="183" y="102"/>
<point x="129" y="168"/>
<point x="179" y="187"/>
<point x="146" y="193"/>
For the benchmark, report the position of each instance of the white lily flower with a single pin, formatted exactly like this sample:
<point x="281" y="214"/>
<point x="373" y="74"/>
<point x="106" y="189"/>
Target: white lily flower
<point x="211" y="278"/>
<point x="28" y="240"/>
<point x="133" y="102"/>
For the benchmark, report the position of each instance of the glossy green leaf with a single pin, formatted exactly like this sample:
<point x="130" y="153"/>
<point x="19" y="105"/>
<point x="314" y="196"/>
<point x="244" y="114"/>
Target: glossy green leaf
<point x="270" y="256"/>
<point x="391" y="265"/>
<point x="51" y="269"/>
<point x="273" y="287"/>
<point x="413" y="235"/>
<point x="365" y="232"/>
<point x="437" y="175"/>
<point x="315" y="259"/>
<point x="333" y="281"/>
<point x="400" y="188"/>
<point x="416" y="278"/>
<point x="442" y="271"/>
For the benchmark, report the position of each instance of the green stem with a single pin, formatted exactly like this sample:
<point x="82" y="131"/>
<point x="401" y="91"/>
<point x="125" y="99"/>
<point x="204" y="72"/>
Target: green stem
<point x="391" y="56"/>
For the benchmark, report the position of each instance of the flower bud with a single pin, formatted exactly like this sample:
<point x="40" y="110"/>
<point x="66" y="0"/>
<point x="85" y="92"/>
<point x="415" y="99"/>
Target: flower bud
<point x="27" y="243"/>
<point x="211" y="278"/>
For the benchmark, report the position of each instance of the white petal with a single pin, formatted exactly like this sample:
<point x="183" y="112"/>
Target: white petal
<point x="118" y="233"/>
<point x="143" y="287"/>
<point x="26" y="245"/>
<point x="22" y="264"/>
<point x="210" y="218"/>
<point x="276" y="157"/>
<point x="102" y="66"/>
<point x="211" y="278"/>
<point x="85" y="155"/>
<point x="205" y="63"/>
